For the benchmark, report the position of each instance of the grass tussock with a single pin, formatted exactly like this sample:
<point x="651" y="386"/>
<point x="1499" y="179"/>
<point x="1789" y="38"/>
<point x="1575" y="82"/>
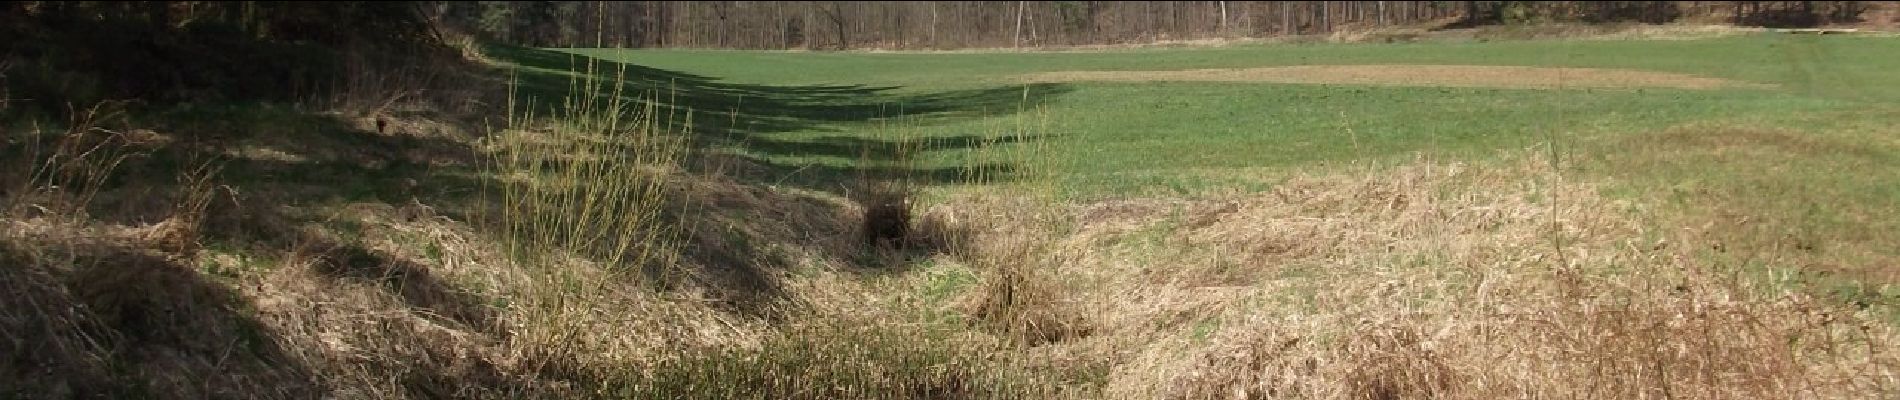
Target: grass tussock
<point x="584" y="217"/>
<point x="885" y="189"/>
<point x="1021" y="299"/>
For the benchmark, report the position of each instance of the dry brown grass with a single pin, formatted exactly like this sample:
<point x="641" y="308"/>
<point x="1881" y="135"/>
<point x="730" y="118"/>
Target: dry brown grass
<point x="1433" y="280"/>
<point x="1019" y="297"/>
<point x="1430" y="280"/>
<point x="1444" y="281"/>
<point x="1413" y="75"/>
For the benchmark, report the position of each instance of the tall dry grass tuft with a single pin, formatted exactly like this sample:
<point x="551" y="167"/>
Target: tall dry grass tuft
<point x="1008" y="233"/>
<point x="885" y="187"/>
<point x="63" y="172"/>
<point x="179" y="233"/>
<point x="589" y="181"/>
<point x="411" y="96"/>
<point x="1392" y="363"/>
<point x="584" y="216"/>
<point x="1020" y="297"/>
<point x="369" y="89"/>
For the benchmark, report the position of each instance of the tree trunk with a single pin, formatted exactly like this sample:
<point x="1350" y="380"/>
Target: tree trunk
<point x="1020" y="5"/>
<point x="1325" y="17"/>
<point x="1286" y="18"/>
<point x="1223" y="16"/>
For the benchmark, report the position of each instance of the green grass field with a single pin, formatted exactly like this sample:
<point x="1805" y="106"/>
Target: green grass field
<point x="1811" y="159"/>
<point x="1132" y="137"/>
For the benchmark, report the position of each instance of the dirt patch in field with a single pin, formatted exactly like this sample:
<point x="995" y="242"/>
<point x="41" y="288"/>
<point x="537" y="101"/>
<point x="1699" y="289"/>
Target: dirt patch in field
<point x="1414" y="75"/>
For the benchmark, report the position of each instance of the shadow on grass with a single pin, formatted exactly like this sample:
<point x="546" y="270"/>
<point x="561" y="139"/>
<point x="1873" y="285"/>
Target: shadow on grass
<point x="89" y="319"/>
<point x="756" y="118"/>
<point x="410" y="280"/>
<point x="276" y="158"/>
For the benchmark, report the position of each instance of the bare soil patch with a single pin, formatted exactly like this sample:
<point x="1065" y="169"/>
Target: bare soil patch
<point x="1414" y="75"/>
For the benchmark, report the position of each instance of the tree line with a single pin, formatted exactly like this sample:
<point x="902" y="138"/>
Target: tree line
<point x="56" y="53"/>
<point x="964" y="24"/>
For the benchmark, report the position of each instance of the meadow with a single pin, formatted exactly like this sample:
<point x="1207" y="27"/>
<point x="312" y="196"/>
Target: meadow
<point x="1803" y="139"/>
<point x="1553" y="218"/>
<point x="1357" y="207"/>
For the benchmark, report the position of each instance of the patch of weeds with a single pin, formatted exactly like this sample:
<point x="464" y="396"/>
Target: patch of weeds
<point x="943" y="283"/>
<point x="804" y="269"/>
<point x="1204" y="329"/>
<point x="1157" y="235"/>
<point x="229" y="263"/>
<point x="1883" y="300"/>
<point x="946" y="283"/>
<point x="433" y="251"/>
<point x="347" y="230"/>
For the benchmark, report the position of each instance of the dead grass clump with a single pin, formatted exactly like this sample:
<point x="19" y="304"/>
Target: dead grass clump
<point x="887" y="214"/>
<point x="884" y="186"/>
<point x="1018" y="302"/>
<point x="121" y="308"/>
<point x="1391" y="364"/>
<point x="60" y="173"/>
<point x="840" y="361"/>
<point x="157" y="327"/>
<point x="1263" y="364"/>
<point x="1010" y="245"/>
<point x="179" y="234"/>
<point x="1371" y="362"/>
<point x="374" y="87"/>
<point x="52" y="345"/>
<point x="145" y="297"/>
<point x="364" y="339"/>
<point x="940" y="229"/>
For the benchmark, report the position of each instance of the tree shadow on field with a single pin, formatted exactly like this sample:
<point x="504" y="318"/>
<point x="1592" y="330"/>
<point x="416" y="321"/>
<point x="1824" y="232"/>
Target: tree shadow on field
<point x="756" y="119"/>
<point x="811" y="137"/>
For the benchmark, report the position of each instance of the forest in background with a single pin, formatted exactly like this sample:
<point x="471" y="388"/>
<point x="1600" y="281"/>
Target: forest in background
<point x="345" y="200"/>
<point x="57" y="54"/>
<point x="822" y="25"/>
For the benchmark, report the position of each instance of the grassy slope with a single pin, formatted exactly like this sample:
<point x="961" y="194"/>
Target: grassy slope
<point x="1813" y="157"/>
